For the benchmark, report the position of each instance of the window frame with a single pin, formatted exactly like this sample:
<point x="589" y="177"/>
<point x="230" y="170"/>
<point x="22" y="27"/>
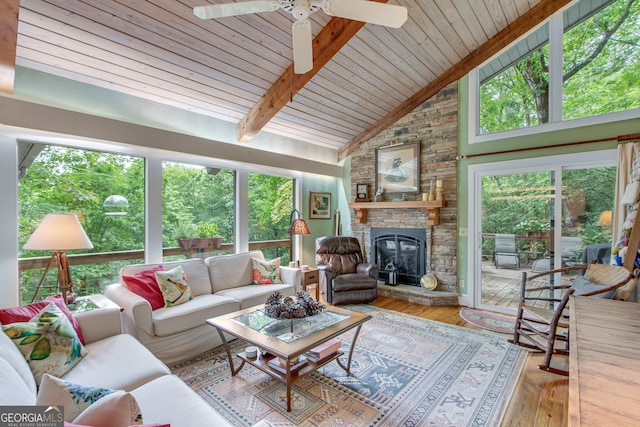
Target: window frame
<point x="556" y="123"/>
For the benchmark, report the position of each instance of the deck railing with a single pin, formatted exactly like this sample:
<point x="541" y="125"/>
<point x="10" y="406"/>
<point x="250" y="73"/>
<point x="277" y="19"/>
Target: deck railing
<point x="106" y="257"/>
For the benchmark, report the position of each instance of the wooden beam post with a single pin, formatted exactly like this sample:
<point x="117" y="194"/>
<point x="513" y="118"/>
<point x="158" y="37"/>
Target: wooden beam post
<point x="8" y="43"/>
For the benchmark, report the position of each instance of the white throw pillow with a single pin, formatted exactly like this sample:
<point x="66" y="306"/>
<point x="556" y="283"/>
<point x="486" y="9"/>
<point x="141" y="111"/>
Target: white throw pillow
<point x="118" y="409"/>
<point x="74" y="397"/>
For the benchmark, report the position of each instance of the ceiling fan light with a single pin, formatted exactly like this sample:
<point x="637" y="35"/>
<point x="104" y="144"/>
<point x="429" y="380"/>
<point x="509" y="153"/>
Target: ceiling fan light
<point x="301" y="9"/>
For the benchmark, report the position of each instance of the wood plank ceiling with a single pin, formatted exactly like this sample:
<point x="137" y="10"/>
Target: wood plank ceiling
<point x="237" y="68"/>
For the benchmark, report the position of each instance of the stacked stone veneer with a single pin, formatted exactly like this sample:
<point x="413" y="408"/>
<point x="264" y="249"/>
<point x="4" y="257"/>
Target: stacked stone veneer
<point x="435" y="125"/>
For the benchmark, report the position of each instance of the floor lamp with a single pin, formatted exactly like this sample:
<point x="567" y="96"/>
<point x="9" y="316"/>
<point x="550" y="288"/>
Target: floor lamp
<point x="59" y="233"/>
<point x="298" y="226"/>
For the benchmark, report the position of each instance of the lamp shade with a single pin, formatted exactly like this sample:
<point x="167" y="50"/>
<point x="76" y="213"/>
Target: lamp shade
<point x="58" y="232"/>
<point x="299" y="226"/>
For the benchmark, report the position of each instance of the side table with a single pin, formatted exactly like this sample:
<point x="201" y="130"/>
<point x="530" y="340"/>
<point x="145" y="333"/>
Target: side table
<point x="311" y="280"/>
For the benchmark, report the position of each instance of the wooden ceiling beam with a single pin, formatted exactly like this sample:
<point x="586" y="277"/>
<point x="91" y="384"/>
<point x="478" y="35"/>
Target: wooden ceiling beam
<point x="8" y="43"/>
<point x="511" y="33"/>
<point x="326" y="44"/>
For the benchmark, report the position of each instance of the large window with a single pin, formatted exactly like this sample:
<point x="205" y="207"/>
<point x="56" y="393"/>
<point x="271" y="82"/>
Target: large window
<point x="599" y="72"/>
<point x="198" y="204"/>
<point x="270" y="206"/>
<point x="64" y="180"/>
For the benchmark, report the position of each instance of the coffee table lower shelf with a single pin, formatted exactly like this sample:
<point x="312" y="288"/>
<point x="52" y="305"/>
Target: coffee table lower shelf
<point x="262" y="362"/>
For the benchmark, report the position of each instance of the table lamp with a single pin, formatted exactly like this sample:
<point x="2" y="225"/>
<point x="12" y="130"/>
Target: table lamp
<point x="59" y="233"/>
<point x="298" y="226"/>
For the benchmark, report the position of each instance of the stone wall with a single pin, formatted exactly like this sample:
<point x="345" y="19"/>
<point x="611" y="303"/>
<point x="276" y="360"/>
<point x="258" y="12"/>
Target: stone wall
<point x="435" y="125"/>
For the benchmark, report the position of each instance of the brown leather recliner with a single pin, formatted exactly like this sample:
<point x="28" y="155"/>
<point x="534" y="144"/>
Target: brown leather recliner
<point x="344" y="277"/>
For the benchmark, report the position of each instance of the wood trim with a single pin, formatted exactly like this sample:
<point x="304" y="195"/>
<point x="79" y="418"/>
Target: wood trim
<point x="8" y="43"/>
<point x="326" y="44"/>
<point x="518" y="28"/>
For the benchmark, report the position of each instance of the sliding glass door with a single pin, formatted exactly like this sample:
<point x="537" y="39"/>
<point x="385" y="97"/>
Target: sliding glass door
<point x="533" y="219"/>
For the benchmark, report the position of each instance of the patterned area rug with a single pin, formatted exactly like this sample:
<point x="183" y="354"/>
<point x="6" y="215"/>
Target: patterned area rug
<point x="406" y="371"/>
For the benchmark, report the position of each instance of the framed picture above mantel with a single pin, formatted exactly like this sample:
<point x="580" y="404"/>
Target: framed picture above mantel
<point x="398" y="168"/>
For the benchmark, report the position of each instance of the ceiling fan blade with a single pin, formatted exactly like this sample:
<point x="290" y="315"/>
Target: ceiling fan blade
<point x="389" y="15"/>
<point x="233" y="9"/>
<point x="302" y="46"/>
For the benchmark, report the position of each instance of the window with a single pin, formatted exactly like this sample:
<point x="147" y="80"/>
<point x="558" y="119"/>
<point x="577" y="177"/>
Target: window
<point x="270" y="207"/>
<point x="198" y="203"/>
<point x="599" y="71"/>
<point x="601" y="62"/>
<point x="56" y="179"/>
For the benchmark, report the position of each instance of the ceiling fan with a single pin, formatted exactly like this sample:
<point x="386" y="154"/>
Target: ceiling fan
<point x="372" y="12"/>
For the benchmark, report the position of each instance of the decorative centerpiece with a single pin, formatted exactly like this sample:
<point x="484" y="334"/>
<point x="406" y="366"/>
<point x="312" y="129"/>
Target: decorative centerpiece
<point x="298" y="306"/>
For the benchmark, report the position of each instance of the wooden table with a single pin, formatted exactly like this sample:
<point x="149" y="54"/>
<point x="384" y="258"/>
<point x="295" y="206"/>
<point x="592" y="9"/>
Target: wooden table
<point x="288" y="351"/>
<point x="604" y="369"/>
<point x="311" y="279"/>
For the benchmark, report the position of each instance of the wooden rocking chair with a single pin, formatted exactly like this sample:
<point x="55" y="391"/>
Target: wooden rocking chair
<point x="542" y="319"/>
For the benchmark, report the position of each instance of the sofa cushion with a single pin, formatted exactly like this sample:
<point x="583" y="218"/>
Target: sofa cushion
<point x="74" y="397"/>
<point x="174" y="286"/>
<point x="231" y="271"/>
<point x="25" y="313"/>
<point x="48" y="342"/>
<point x="13" y="390"/>
<point x="250" y="296"/>
<point x="11" y="355"/>
<point x="119" y="362"/>
<point x="144" y="283"/>
<point x="195" y="269"/>
<point x="266" y="272"/>
<point x="169" y="321"/>
<point x="169" y="400"/>
<point x="353" y="282"/>
<point x="583" y="286"/>
<point x="118" y="409"/>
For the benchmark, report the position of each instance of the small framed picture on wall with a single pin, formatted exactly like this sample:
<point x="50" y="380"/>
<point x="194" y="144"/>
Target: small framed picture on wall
<point x="319" y="205"/>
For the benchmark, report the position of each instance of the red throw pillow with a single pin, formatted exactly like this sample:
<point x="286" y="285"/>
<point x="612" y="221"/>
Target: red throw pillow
<point x="26" y="312"/>
<point x="146" y="285"/>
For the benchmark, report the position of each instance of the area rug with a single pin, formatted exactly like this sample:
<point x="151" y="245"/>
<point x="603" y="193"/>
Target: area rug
<point x="495" y="322"/>
<point x="406" y="371"/>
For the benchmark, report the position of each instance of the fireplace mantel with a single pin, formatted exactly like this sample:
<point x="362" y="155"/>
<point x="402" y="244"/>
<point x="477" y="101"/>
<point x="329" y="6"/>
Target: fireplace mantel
<point x="432" y="206"/>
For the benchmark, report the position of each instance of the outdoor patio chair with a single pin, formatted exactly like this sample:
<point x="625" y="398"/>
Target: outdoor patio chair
<point x="570" y="251"/>
<point x="542" y="318"/>
<point x="506" y="254"/>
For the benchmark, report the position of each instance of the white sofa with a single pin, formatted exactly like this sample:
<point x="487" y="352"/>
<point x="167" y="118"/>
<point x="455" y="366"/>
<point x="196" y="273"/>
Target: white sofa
<point x="116" y="361"/>
<point x="220" y="284"/>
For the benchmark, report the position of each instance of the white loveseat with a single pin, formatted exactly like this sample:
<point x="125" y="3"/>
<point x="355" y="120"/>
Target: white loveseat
<point x="116" y="361"/>
<point x="220" y="285"/>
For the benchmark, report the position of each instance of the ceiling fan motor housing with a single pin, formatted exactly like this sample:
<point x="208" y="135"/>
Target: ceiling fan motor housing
<point x="300" y="9"/>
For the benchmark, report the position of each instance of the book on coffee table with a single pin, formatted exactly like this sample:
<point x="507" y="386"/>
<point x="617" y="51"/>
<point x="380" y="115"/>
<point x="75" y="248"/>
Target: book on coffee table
<point x="324" y="350"/>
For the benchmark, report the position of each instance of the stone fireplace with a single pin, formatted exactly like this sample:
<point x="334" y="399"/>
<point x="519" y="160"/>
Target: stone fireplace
<point x="435" y="124"/>
<point x="400" y="254"/>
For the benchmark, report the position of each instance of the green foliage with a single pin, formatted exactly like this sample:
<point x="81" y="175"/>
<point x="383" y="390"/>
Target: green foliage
<point x="601" y="74"/>
<point x="207" y="229"/>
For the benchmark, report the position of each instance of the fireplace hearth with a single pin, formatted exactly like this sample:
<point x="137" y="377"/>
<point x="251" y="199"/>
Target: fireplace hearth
<point x="400" y="254"/>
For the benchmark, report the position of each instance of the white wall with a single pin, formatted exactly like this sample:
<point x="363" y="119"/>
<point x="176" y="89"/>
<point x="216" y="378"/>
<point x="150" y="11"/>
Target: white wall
<point x="8" y="214"/>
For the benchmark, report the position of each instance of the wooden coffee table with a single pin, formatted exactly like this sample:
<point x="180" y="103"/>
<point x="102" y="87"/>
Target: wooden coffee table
<point x="287" y="339"/>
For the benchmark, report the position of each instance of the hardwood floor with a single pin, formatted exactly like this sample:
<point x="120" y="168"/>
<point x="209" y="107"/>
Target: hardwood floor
<point x="541" y="399"/>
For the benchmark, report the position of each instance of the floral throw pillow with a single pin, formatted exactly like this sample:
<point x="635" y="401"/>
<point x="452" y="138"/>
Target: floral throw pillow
<point x="74" y="397"/>
<point x="266" y="272"/>
<point x="174" y="286"/>
<point x="48" y="342"/>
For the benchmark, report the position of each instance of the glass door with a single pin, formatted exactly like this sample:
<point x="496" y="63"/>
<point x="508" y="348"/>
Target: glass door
<point x="539" y="220"/>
